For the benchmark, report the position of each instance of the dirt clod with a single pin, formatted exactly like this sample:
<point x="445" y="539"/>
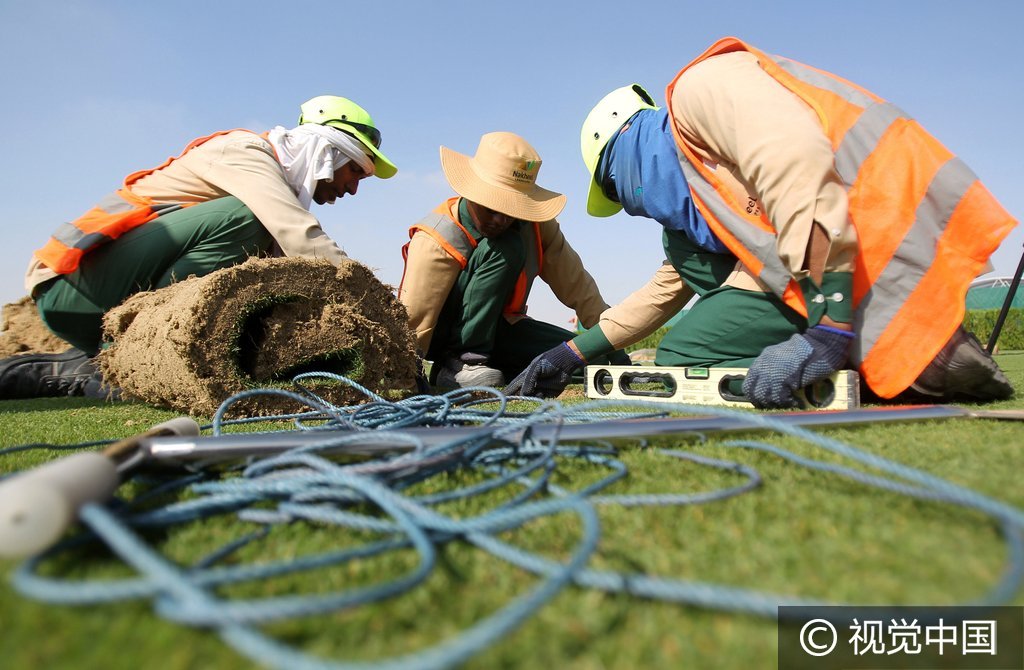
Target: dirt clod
<point x="24" y="332"/>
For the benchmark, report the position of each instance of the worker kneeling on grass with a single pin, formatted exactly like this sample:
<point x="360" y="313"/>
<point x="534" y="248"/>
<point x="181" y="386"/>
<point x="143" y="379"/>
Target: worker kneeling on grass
<point x="819" y="225"/>
<point x="469" y="266"/>
<point x="228" y="196"/>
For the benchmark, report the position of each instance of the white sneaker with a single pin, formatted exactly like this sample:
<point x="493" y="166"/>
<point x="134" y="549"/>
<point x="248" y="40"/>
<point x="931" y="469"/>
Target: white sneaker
<point x="459" y="374"/>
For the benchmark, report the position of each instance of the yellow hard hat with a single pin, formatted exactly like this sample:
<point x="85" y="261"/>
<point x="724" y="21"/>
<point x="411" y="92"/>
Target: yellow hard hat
<point x="343" y="114"/>
<point x="602" y="123"/>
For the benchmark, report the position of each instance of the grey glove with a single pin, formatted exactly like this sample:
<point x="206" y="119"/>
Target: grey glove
<point x="803" y="359"/>
<point x="547" y="375"/>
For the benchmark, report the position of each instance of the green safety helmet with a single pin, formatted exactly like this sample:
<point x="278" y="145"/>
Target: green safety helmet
<point x="343" y="114"/>
<point x="602" y="123"/>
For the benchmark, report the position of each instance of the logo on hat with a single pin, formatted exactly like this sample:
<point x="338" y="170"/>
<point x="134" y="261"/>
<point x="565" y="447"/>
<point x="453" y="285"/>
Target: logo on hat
<point x="524" y="174"/>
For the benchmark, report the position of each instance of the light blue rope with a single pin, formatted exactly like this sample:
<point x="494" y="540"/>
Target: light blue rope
<point x="302" y="484"/>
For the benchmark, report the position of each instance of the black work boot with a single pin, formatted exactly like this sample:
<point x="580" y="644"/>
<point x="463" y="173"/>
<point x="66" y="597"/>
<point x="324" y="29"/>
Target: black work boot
<point x="963" y="370"/>
<point x="71" y="373"/>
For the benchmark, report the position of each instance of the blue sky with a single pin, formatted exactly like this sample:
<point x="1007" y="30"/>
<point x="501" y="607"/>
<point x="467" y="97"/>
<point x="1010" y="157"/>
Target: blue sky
<point x="94" y="90"/>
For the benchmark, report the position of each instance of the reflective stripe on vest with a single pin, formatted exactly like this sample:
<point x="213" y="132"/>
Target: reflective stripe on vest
<point x="447" y="232"/>
<point x="757" y="240"/>
<point x="114" y="215"/>
<point x="443" y="226"/>
<point x="925" y="224"/>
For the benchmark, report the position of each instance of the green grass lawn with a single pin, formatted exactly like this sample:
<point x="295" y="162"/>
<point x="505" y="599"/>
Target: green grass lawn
<point x="801" y="533"/>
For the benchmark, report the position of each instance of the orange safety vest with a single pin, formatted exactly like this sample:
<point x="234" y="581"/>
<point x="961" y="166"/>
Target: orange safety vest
<point x="443" y="225"/>
<point x="925" y="225"/>
<point x="115" y="215"/>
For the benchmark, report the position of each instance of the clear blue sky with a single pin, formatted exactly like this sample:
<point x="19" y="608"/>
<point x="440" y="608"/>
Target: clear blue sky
<point x="94" y="90"/>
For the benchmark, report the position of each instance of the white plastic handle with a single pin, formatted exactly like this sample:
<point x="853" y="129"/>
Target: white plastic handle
<point x="38" y="505"/>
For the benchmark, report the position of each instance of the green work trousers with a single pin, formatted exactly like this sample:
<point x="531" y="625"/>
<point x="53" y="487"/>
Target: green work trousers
<point x="193" y="241"/>
<point x="726" y="327"/>
<point x="468" y="322"/>
<point x="472" y="320"/>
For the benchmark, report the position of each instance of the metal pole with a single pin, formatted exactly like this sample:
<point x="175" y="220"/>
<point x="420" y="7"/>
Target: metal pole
<point x="244" y="445"/>
<point x="1010" y="293"/>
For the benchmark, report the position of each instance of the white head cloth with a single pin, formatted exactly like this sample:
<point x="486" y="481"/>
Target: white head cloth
<point x="311" y="152"/>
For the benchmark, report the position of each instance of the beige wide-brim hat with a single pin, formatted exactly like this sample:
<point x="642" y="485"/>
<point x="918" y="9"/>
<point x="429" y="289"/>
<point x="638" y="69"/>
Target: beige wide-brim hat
<point x="502" y="176"/>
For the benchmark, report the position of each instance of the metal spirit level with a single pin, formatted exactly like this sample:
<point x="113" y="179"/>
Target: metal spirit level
<point x="709" y="386"/>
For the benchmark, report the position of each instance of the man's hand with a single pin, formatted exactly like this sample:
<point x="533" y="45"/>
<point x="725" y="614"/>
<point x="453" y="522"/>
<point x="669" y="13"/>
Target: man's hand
<point x="803" y="359"/>
<point x="548" y="374"/>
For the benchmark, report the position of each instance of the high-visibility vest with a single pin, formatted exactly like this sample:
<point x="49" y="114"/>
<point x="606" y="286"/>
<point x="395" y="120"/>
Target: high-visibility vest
<point x="925" y="225"/>
<point x="443" y="225"/>
<point x="113" y="216"/>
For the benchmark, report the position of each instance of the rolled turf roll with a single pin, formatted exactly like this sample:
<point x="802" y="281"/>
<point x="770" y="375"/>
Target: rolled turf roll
<point x="193" y="344"/>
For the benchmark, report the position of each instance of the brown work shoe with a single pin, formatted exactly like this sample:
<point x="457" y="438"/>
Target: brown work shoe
<point x="963" y="370"/>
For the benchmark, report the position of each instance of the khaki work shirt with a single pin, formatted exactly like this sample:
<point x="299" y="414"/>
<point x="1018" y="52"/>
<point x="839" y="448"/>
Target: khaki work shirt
<point x="241" y="164"/>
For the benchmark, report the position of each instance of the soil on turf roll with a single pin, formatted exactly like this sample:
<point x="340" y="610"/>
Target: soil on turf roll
<point x="193" y="344"/>
<point x="25" y="333"/>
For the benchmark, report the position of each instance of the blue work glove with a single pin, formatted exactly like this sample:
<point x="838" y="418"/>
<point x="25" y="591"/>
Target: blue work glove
<point x="547" y="375"/>
<point x="789" y="366"/>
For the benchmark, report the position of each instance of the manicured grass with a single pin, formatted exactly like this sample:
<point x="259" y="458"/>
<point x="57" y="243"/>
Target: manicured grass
<point x="801" y="533"/>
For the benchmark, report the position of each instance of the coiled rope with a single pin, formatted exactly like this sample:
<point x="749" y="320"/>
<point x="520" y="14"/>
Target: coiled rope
<point x="304" y="485"/>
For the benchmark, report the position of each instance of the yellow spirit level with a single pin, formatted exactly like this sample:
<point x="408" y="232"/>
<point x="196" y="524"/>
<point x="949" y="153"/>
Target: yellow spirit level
<point x="709" y="386"/>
